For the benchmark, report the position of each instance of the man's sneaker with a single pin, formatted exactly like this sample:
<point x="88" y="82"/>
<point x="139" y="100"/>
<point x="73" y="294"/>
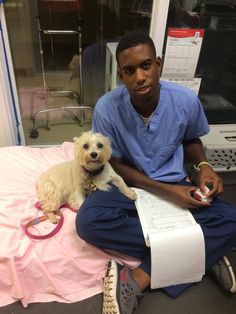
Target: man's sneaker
<point x="121" y="292"/>
<point x="224" y="274"/>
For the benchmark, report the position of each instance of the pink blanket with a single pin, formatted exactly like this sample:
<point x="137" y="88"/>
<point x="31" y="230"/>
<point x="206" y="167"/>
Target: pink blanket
<point x="62" y="268"/>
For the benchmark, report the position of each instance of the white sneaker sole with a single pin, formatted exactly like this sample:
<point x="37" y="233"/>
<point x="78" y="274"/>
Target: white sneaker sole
<point x="230" y="269"/>
<point x="110" y="305"/>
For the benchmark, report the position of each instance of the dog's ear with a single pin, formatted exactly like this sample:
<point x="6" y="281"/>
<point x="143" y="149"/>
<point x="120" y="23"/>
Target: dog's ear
<point x="107" y="146"/>
<point x="82" y="134"/>
<point x="108" y="140"/>
<point x="76" y="140"/>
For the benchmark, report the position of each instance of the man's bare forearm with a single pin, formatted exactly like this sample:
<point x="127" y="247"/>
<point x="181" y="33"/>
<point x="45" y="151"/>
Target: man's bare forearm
<point x="194" y="151"/>
<point x="136" y="178"/>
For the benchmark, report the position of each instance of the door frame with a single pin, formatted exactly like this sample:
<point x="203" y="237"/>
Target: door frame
<point x="158" y="24"/>
<point x="10" y="118"/>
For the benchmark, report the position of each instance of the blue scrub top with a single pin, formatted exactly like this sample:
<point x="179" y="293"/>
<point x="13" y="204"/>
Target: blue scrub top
<point x="155" y="149"/>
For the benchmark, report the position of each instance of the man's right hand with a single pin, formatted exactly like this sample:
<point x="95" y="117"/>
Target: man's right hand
<point x="182" y="196"/>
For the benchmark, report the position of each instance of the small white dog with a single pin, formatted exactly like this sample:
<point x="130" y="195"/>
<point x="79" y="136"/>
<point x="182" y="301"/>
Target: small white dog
<point x="70" y="181"/>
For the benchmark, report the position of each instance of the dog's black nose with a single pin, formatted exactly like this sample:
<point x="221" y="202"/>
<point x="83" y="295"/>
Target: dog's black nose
<point x="93" y="155"/>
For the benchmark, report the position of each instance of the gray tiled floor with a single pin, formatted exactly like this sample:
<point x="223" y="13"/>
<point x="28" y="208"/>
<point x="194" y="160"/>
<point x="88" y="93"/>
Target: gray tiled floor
<point x="203" y="298"/>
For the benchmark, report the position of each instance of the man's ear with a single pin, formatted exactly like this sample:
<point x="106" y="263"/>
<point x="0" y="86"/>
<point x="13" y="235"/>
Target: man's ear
<point x="119" y="74"/>
<point x="159" y="64"/>
<point x="158" y="61"/>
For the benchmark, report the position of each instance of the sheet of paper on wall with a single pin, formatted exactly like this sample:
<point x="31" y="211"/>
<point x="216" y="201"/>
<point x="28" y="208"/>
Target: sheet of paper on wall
<point x="182" y="52"/>
<point x="192" y="83"/>
<point x="175" y="239"/>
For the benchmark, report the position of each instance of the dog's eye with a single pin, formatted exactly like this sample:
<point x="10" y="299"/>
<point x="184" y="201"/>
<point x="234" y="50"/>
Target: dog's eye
<point x="100" y="145"/>
<point x="86" y="146"/>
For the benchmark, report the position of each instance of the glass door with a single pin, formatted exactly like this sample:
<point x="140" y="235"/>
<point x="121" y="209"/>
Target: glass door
<point x="58" y="50"/>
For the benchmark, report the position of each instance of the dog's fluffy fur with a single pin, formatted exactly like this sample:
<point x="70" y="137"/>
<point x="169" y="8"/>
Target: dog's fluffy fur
<point x="66" y="182"/>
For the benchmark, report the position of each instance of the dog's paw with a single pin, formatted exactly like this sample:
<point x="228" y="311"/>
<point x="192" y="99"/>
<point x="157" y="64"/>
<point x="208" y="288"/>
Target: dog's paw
<point x="52" y="217"/>
<point x="73" y="208"/>
<point x="131" y="194"/>
<point x="75" y="204"/>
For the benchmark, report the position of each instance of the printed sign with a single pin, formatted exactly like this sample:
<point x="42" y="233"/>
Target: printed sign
<point x="182" y="52"/>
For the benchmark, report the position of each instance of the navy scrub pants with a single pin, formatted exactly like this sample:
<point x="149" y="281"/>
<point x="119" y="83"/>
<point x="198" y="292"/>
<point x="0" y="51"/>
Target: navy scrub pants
<point x="109" y="220"/>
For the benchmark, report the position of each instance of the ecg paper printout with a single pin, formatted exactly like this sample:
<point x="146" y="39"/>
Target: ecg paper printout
<point x="175" y="239"/>
<point x="157" y="214"/>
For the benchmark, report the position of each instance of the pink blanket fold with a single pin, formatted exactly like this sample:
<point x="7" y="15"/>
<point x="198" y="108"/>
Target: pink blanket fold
<point x="62" y="268"/>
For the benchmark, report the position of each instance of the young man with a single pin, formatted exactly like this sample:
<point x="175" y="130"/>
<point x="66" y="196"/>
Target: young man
<point x="152" y="124"/>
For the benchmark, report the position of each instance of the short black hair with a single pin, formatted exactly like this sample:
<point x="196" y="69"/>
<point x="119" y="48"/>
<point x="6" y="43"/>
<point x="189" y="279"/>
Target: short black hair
<point x="133" y="39"/>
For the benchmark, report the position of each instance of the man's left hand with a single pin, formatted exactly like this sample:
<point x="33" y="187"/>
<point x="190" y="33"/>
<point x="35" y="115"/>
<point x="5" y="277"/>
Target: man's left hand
<point x="208" y="177"/>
